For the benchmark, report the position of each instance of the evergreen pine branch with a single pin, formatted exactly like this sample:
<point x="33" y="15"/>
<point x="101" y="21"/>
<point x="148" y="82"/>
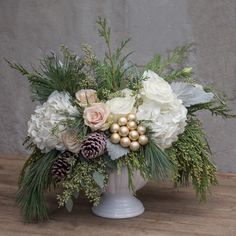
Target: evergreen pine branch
<point x="35" y="182"/>
<point x="17" y="67"/>
<point x="54" y="74"/>
<point x="158" y="162"/>
<point x="111" y="73"/>
<point x="171" y="67"/>
<point x="34" y="157"/>
<point x="191" y="158"/>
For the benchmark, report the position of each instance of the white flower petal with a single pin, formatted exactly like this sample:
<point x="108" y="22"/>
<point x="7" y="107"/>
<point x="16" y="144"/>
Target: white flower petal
<point x="160" y="106"/>
<point x="156" y="88"/>
<point x="47" y="117"/>
<point x="122" y="105"/>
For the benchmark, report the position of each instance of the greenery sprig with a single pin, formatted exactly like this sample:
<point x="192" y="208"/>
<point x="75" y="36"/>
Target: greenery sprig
<point x="63" y="74"/>
<point x="217" y="107"/>
<point x="35" y="181"/>
<point x="171" y="68"/>
<point x="191" y="158"/>
<point x="111" y="73"/>
<point x="82" y="180"/>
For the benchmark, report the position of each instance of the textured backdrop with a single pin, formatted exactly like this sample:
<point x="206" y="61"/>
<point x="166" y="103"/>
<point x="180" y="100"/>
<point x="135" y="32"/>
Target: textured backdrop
<point x="31" y="28"/>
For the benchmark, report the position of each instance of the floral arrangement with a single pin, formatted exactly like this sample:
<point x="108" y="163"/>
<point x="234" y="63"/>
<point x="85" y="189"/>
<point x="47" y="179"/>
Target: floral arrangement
<point x="95" y="116"/>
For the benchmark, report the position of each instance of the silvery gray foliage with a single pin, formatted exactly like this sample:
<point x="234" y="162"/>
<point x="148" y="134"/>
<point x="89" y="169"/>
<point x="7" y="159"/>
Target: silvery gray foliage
<point x="69" y="205"/>
<point x="99" y="179"/>
<point x="191" y="94"/>
<point x="115" y="151"/>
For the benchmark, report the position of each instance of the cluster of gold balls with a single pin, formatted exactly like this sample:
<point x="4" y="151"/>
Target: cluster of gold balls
<point x="128" y="133"/>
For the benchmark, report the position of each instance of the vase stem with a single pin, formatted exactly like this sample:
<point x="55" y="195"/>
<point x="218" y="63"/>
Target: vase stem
<point x="118" y="202"/>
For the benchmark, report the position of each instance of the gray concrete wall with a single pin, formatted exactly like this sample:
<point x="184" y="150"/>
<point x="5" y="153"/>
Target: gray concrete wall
<point x="30" y="28"/>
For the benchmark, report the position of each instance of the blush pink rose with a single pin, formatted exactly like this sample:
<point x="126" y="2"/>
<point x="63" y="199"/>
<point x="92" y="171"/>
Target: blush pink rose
<point x="96" y="116"/>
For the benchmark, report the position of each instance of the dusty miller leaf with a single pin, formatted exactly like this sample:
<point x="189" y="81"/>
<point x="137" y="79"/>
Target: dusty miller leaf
<point x="191" y="94"/>
<point x="115" y="151"/>
<point x="76" y="195"/>
<point x="69" y="205"/>
<point x="99" y="179"/>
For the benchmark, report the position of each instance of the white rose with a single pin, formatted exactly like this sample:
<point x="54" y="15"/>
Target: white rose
<point x="156" y="88"/>
<point x="122" y="105"/>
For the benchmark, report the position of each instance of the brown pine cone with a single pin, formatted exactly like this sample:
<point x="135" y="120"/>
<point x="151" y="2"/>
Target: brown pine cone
<point x="94" y="146"/>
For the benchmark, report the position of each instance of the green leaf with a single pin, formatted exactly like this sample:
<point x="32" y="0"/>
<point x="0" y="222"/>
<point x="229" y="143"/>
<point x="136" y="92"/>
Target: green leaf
<point x="99" y="179"/>
<point x="69" y="205"/>
<point x="190" y="155"/>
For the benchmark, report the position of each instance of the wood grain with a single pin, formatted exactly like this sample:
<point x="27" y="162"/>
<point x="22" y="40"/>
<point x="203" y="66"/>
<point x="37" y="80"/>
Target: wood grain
<point x="169" y="211"/>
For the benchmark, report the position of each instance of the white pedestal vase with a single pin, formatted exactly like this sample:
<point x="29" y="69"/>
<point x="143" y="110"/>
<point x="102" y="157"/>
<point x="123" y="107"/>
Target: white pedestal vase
<point x="118" y="202"/>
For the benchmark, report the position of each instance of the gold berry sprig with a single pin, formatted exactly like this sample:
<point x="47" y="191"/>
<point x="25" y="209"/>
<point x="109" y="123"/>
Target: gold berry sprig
<point x="128" y="133"/>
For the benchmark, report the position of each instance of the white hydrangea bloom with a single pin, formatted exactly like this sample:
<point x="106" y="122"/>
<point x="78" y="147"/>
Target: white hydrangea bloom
<point x="168" y="118"/>
<point x="47" y="117"/>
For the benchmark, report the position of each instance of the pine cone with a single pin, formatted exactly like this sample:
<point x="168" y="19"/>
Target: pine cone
<point x="61" y="166"/>
<point x="94" y="145"/>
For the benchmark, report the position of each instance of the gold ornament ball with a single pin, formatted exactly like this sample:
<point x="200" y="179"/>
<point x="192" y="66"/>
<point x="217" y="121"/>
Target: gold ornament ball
<point x="141" y="129"/>
<point x="133" y="135"/>
<point x="124" y="131"/>
<point x="114" y="128"/>
<point x="115" y="138"/>
<point x="132" y="125"/>
<point x="131" y="117"/>
<point x="125" y="142"/>
<point x="122" y="121"/>
<point x="134" y="146"/>
<point x="143" y="139"/>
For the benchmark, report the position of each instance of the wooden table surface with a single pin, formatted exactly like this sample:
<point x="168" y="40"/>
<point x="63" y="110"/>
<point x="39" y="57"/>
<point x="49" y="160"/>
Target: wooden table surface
<point x="168" y="211"/>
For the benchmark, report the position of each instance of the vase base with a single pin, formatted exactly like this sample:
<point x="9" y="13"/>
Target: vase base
<point x="118" y="206"/>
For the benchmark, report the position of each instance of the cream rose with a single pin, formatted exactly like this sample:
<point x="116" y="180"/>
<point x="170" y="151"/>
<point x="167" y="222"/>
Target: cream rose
<point x="96" y="116"/>
<point x="70" y="140"/>
<point x="86" y="97"/>
<point x="122" y="105"/>
<point x="156" y="88"/>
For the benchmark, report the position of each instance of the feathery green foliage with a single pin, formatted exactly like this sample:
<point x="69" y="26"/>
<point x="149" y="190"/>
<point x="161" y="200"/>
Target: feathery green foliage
<point x="81" y="179"/>
<point x="110" y="74"/>
<point x="63" y="74"/>
<point x="171" y="67"/>
<point x="36" y="181"/>
<point x="191" y="158"/>
<point x="217" y="107"/>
